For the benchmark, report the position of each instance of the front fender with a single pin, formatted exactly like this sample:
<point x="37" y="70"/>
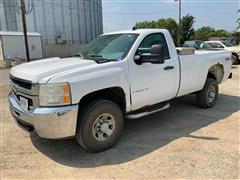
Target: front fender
<point x="91" y="80"/>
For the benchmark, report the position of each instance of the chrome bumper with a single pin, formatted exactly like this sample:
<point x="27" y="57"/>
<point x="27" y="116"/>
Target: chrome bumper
<point x="50" y="123"/>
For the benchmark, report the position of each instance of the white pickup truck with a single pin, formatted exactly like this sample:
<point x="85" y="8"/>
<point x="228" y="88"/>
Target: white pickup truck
<point x="122" y="74"/>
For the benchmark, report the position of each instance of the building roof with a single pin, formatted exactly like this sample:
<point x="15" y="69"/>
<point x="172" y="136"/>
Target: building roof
<point x="14" y="33"/>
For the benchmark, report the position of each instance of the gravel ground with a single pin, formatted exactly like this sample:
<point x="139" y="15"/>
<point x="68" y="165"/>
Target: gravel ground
<point x="181" y="142"/>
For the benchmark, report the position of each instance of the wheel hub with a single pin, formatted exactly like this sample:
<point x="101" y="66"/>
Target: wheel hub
<point x="103" y="127"/>
<point x="211" y="94"/>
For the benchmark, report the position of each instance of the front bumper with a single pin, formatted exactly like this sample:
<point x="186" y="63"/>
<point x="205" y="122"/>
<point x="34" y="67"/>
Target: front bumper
<point x="50" y="123"/>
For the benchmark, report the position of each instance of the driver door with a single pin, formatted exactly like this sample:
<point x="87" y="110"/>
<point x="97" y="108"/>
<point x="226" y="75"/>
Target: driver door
<point x="153" y="83"/>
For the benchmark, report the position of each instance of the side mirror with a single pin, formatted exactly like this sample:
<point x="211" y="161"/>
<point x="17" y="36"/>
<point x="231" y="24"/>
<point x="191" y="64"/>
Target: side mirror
<point x="219" y="46"/>
<point x="156" y="55"/>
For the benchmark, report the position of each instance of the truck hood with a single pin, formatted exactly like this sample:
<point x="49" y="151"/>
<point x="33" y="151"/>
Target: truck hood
<point x="47" y="68"/>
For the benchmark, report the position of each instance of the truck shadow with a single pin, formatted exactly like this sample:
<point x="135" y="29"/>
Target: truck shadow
<point x="145" y="135"/>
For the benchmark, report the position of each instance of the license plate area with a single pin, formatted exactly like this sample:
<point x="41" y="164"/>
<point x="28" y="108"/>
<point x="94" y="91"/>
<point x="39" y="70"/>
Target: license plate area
<point x="23" y="103"/>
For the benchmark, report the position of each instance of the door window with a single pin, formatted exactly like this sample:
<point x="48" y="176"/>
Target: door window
<point x="215" y="45"/>
<point x="152" y="39"/>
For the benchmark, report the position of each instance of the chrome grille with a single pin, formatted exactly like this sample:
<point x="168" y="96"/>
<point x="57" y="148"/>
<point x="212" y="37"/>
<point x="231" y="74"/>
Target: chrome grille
<point x="24" y="86"/>
<point x="25" y="89"/>
<point x="21" y="83"/>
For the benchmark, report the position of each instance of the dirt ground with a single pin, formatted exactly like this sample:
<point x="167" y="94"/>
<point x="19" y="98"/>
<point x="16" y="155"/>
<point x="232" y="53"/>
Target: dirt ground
<point x="181" y="142"/>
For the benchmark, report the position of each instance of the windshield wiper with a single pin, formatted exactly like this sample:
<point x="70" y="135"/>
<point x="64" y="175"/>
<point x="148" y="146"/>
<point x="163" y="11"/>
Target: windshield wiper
<point x="95" y="55"/>
<point x="103" y="60"/>
<point x="78" y="55"/>
<point x="98" y="58"/>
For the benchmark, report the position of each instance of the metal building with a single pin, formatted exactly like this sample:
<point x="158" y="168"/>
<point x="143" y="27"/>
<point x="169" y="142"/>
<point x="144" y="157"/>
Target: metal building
<point x="65" y="25"/>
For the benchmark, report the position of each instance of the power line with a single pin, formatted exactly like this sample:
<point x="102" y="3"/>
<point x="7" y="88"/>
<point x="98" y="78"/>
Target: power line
<point x="104" y="12"/>
<point x="143" y="13"/>
<point x="111" y="12"/>
<point x="170" y="1"/>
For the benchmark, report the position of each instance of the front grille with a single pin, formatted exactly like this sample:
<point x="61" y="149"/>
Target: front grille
<point x="25" y="89"/>
<point x="31" y="100"/>
<point x="21" y="83"/>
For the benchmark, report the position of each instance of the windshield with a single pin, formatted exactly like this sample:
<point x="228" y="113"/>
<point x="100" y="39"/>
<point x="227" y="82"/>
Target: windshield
<point x="205" y="46"/>
<point x="198" y="42"/>
<point x="110" y="47"/>
<point x="228" y="44"/>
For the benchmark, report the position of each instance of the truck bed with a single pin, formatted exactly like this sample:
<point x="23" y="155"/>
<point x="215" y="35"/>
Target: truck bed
<point x="195" y="66"/>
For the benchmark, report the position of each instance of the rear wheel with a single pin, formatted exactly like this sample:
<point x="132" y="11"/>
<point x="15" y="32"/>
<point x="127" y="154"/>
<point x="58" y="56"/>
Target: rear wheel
<point x="207" y="97"/>
<point x="100" y="125"/>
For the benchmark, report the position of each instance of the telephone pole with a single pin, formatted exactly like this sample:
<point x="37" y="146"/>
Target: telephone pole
<point x="24" y="26"/>
<point x="179" y="21"/>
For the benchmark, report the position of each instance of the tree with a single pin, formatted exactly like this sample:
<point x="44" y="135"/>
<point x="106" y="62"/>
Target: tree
<point x="146" y="24"/>
<point x="169" y="24"/>
<point x="221" y="33"/>
<point x="236" y="36"/>
<point x="204" y="33"/>
<point x="187" y="30"/>
<point x="238" y="20"/>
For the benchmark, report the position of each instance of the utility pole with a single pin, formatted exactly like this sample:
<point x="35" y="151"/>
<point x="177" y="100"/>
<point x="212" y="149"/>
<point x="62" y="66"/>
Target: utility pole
<point x="179" y="21"/>
<point x="24" y="26"/>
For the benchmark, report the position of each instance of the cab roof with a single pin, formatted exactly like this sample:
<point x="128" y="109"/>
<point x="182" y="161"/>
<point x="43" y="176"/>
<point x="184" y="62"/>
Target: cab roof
<point x="137" y="31"/>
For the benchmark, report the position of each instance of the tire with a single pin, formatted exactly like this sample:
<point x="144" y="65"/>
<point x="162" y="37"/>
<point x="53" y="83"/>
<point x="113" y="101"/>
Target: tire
<point x="235" y="59"/>
<point x="94" y="134"/>
<point x="207" y="97"/>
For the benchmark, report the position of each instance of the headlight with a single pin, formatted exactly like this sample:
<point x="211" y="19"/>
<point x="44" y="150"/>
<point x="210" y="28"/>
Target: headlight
<point x="54" y="94"/>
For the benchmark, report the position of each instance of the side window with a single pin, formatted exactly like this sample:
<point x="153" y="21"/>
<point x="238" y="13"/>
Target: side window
<point x="216" y="45"/>
<point x="152" y="39"/>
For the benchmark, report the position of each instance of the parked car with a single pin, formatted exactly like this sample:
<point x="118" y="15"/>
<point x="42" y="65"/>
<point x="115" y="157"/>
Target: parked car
<point x="232" y="41"/>
<point x="128" y="74"/>
<point x="199" y="45"/>
<point x="228" y="46"/>
<point x="193" y="44"/>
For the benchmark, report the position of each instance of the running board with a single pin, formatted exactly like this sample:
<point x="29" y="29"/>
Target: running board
<point x="142" y="114"/>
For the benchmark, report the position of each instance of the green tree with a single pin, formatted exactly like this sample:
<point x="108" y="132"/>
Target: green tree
<point x="187" y="30"/>
<point x="238" y="20"/>
<point x="236" y="35"/>
<point x="169" y="24"/>
<point x="146" y="24"/>
<point x="221" y="33"/>
<point x="204" y="33"/>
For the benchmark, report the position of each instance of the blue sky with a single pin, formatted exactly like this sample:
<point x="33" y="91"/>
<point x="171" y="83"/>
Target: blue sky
<point x="122" y="14"/>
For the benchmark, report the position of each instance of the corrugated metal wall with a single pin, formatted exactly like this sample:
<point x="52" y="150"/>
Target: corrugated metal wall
<point x="8" y="19"/>
<point x="76" y="21"/>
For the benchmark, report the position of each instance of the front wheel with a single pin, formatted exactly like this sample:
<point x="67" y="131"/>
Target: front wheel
<point x="100" y="124"/>
<point x="207" y="97"/>
<point x="234" y="59"/>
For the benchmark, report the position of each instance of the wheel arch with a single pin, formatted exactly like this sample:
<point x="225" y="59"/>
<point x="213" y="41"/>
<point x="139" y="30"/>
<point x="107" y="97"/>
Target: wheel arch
<point x="235" y="54"/>
<point x="115" y="94"/>
<point x="216" y="72"/>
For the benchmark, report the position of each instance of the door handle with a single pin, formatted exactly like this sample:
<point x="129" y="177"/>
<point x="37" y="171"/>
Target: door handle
<point x="168" y="67"/>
